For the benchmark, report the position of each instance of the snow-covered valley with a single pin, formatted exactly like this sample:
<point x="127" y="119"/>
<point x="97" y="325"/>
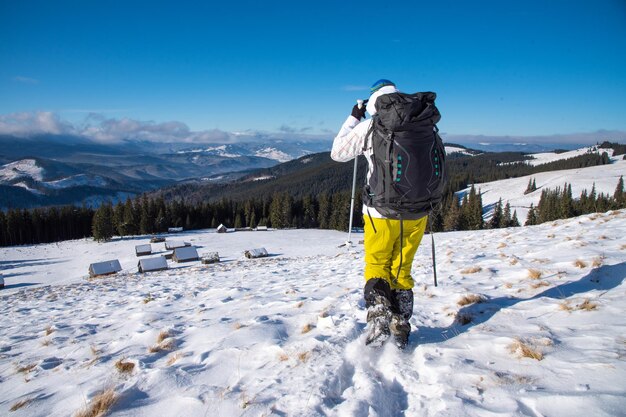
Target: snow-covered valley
<point x="525" y="322"/>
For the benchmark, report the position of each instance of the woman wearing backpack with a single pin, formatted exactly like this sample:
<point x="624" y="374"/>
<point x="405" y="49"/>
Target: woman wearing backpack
<point x="393" y="226"/>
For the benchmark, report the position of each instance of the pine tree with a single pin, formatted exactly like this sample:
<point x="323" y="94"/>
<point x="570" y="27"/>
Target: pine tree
<point x="323" y="214"/>
<point x="531" y="218"/>
<point x="566" y="203"/>
<point x="532" y="186"/>
<point x="131" y="222"/>
<point x="102" y="225"/>
<point x="276" y="213"/>
<point x="506" y="215"/>
<point x="252" y="223"/>
<point x="472" y="217"/>
<point x="496" y="219"/>
<point x="451" y="219"/>
<point x="619" y="198"/>
<point x="514" y="221"/>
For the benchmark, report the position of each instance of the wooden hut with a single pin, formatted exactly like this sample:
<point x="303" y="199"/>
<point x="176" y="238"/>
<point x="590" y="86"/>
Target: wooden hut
<point x="221" y="229"/>
<point x="185" y="254"/>
<point x="173" y="244"/>
<point x="158" y="263"/>
<point x="210" y="258"/>
<point x="104" y="268"/>
<point x="256" y="253"/>
<point x="143" y="250"/>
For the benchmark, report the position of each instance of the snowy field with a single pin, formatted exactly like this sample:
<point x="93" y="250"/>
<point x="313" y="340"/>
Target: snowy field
<point x="605" y="178"/>
<point x="525" y="322"/>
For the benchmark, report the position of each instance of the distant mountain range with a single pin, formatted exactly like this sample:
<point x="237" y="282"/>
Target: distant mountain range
<point x="58" y="169"/>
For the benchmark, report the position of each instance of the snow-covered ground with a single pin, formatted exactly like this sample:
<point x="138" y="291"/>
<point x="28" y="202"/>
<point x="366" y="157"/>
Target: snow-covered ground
<point x="605" y="178"/>
<point x="456" y="149"/>
<point x="283" y="336"/>
<point x="547" y="157"/>
<point x="25" y="168"/>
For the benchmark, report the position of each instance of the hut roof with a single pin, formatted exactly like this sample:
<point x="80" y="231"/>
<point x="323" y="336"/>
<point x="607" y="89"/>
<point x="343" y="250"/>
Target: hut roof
<point x="152" y="264"/>
<point x="147" y="248"/>
<point x="188" y="253"/>
<point x="104" y="268"/>
<point x="173" y="244"/>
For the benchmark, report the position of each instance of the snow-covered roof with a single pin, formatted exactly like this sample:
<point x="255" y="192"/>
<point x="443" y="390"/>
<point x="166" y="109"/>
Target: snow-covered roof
<point x="152" y="264"/>
<point x="173" y="244"/>
<point x="147" y="248"/>
<point x="188" y="253"/>
<point x="104" y="268"/>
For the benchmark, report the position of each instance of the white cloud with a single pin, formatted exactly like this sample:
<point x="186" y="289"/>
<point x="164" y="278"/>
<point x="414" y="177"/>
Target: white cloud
<point x="583" y="138"/>
<point x="29" y="123"/>
<point x="99" y="128"/>
<point x="25" y="80"/>
<point x="355" y="88"/>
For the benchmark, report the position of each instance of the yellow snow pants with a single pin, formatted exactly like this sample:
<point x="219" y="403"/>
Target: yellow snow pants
<point x="382" y="249"/>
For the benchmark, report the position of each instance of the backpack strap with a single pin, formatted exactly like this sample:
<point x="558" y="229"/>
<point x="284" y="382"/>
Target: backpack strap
<point x="369" y="133"/>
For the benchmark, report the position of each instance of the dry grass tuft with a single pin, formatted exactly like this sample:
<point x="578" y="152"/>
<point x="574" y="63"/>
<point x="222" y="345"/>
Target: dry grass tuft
<point x="124" y="367"/>
<point x="502" y="245"/>
<point x="300" y="304"/>
<point x="46" y="342"/>
<point x="550" y="236"/>
<point x="283" y="357"/>
<point x="164" y="334"/>
<point x="471" y="270"/>
<point x="100" y="404"/>
<point x="525" y="350"/>
<point x="304" y="356"/>
<point x="587" y="305"/>
<point x="534" y="273"/>
<point x="539" y="284"/>
<point x="324" y="314"/>
<point x="471" y="299"/>
<point x="26" y="368"/>
<point x="508" y="285"/>
<point x="463" y="318"/>
<point x="513" y="261"/>
<point x="21" y="404"/>
<point x="307" y="328"/>
<point x="580" y="263"/>
<point x="598" y="261"/>
<point x="238" y="326"/>
<point x="165" y="342"/>
<point x="49" y="330"/>
<point x="565" y="306"/>
<point x="173" y="359"/>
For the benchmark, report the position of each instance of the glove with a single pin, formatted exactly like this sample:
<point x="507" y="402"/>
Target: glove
<point x="358" y="112"/>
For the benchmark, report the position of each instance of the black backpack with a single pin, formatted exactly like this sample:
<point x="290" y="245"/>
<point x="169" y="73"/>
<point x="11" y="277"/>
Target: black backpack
<point x="408" y="157"/>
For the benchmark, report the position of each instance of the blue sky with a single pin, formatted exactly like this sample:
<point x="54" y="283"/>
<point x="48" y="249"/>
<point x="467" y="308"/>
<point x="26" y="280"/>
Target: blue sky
<point x="519" y="68"/>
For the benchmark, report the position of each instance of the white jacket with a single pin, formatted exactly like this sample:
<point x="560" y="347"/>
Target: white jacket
<point x="348" y="143"/>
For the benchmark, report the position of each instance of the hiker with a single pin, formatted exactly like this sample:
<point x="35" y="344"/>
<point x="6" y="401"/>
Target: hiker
<point x="390" y="244"/>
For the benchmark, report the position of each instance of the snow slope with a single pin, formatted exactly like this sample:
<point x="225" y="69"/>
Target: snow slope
<point x="605" y="178"/>
<point x="547" y="157"/>
<point x="25" y="168"/>
<point x="282" y="336"/>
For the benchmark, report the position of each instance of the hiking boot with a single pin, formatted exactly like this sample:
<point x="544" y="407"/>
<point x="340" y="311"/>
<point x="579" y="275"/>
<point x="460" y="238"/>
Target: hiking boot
<point x="403" y="300"/>
<point x="378" y="320"/>
<point x="401" y="329"/>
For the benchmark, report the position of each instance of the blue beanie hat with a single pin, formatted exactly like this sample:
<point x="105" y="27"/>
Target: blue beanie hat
<point x="380" y="84"/>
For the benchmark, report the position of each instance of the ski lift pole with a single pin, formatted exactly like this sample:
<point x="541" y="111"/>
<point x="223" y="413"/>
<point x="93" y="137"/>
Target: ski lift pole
<point x="356" y="160"/>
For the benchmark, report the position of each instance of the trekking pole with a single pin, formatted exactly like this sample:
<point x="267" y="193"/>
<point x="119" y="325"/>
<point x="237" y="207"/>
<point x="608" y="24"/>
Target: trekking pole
<point x="432" y="240"/>
<point x="356" y="160"/>
<point x="360" y="103"/>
